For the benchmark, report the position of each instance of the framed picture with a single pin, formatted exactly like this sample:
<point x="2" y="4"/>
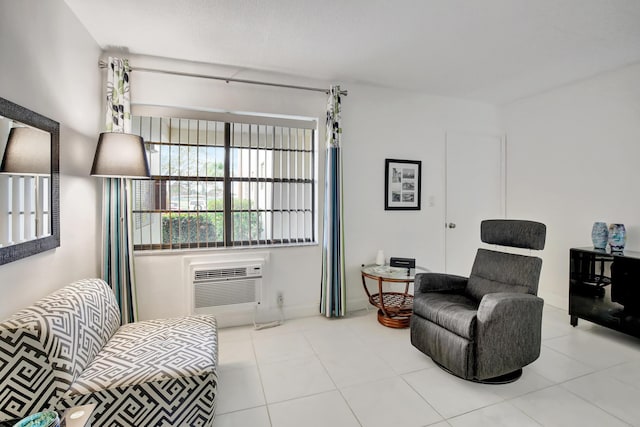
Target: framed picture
<point x="402" y="180"/>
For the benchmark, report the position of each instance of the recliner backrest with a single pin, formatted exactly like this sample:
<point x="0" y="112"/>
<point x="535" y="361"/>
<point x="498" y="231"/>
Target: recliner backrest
<point x="494" y="271"/>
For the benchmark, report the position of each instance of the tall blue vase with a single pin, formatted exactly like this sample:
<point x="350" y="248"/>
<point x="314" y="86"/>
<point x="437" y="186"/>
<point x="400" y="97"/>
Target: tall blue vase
<point x="617" y="237"/>
<point x="599" y="235"/>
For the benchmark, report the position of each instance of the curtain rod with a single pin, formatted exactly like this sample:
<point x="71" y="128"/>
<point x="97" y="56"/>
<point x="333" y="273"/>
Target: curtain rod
<point x="103" y="64"/>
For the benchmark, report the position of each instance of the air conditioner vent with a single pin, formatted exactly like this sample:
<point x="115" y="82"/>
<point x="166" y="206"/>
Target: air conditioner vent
<point x="228" y="286"/>
<point x="220" y="273"/>
<point x="225" y="293"/>
<point x="227" y="273"/>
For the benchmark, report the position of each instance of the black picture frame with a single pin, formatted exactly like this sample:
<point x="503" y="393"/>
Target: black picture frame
<point x="402" y="185"/>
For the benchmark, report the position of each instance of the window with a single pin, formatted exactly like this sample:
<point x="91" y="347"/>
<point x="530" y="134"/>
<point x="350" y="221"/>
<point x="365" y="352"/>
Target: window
<point x="224" y="183"/>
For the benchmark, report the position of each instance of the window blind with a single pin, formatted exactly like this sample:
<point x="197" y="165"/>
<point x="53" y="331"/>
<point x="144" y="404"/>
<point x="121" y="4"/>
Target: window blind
<point x="225" y="184"/>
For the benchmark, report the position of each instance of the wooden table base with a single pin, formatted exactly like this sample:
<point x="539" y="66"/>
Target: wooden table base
<point x="395" y="306"/>
<point x="397" y="322"/>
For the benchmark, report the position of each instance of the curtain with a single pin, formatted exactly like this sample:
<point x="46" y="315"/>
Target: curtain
<point x="333" y="291"/>
<point x="117" y="254"/>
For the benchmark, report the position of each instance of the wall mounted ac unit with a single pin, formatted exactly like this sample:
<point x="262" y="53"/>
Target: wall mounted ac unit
<point x="224" y="287"/>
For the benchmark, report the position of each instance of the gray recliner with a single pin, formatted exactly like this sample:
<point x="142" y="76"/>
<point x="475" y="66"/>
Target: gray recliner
<point x="488" y="326"/>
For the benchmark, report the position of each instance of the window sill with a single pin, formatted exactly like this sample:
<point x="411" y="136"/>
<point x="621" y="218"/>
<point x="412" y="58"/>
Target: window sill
<point x="156" y="252"/>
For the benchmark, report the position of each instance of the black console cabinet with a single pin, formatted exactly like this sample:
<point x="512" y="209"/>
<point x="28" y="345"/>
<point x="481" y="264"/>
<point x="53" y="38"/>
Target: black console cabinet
<point x="604" y="288"/>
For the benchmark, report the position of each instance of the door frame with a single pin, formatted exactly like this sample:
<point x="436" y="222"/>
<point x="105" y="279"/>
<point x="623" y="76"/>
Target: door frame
<point x="502" y="137"/>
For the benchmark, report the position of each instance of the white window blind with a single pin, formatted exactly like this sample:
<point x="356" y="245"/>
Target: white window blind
<point x="20" y="215"/>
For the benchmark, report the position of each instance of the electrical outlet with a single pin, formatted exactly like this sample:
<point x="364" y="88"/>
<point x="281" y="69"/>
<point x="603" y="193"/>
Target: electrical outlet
<point x="280" y="299"/>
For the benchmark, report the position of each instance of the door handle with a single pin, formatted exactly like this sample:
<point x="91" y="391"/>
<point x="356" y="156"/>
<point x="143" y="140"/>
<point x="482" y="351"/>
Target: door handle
<point x="451" y="225"/>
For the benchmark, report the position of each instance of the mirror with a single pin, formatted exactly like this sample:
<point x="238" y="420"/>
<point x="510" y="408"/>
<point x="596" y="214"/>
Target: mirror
<point x="29" y="183"/>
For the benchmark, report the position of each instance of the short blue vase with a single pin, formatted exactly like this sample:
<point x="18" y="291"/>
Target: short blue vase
<point x="599" y="235"/>
<point x="617" y="237"/>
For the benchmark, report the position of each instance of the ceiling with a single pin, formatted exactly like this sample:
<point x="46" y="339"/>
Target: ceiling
<point x="494" y="51"/>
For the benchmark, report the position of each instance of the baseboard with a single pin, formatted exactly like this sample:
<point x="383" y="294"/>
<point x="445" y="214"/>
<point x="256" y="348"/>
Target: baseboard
<point x="357" y="304"/>
<point x="556" y="301"/>
<point x="243" y="317"/>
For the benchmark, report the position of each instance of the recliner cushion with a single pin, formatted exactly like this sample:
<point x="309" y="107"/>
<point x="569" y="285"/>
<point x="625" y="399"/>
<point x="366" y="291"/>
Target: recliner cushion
<point x="494" y="271"/>
<point x="443" y="346"/>
<point x="454" y="312"/>
<point x="513" y="232"/>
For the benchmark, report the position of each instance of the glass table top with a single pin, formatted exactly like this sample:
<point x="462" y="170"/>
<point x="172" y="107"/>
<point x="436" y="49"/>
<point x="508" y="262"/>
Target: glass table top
<point x="388" y="272"/>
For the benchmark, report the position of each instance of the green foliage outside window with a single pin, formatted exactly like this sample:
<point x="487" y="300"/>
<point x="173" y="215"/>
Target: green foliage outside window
<point x="191" y="228"/>
<point x="209" y="227"/>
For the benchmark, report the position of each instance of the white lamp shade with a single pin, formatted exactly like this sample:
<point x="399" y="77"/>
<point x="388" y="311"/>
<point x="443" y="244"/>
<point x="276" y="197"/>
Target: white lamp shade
<point x="28" y="152"/>
<point x="120" y="155"/>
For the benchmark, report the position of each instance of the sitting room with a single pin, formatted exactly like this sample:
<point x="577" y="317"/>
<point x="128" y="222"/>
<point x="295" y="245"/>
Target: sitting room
<point x="295" y="213"/>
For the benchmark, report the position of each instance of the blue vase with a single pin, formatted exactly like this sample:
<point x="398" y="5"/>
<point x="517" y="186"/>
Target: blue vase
<point x="599" y="235"/>
<point x="617" y="237"/>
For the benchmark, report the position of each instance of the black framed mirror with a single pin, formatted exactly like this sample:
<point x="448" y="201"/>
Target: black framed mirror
<point x="29" y="188"/>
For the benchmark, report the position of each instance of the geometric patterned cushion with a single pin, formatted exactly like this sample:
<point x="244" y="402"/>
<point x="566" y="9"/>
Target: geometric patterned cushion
<point x="45" y="347"/>
<point x="152" y="350"/>
<point x="157" y="372"/>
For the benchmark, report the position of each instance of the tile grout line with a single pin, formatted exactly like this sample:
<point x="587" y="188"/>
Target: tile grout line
<point x="315" y="353"/>
<point x="264" y="394"/>
<point x="593" y="403"/>
<point x="421" y="396"/>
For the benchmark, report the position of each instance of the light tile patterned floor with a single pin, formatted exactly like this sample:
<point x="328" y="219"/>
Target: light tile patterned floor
<point x="355" y="372"/>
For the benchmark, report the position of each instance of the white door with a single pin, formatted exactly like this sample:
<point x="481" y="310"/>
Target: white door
<point x="475" y="190"/>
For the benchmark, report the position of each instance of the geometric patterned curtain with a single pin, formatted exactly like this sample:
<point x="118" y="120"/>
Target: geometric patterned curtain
<point x="333" y="291"/>
<point x="117" y="254"/>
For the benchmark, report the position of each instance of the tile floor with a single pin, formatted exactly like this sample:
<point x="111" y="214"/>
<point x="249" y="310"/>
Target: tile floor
<point x="356" y="372"/>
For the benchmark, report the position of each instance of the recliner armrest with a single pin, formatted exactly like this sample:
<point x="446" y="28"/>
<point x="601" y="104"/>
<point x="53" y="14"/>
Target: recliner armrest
<point x="439" y="282"/>
<point x="509" y="332"/>
<point x="495" y="307"/>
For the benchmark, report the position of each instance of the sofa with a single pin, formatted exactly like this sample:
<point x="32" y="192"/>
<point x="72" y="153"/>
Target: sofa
<point x="69" y="349"/>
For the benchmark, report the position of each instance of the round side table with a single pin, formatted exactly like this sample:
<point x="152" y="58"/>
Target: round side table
<point x="394" y="307"/>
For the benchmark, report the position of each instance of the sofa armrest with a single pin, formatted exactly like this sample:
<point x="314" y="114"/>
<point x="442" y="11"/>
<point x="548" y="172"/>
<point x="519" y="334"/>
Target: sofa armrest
<point x="439" y="282"/>
<point x="509" y="331"/>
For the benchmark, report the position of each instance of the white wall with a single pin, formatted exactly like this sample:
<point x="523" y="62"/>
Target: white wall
<point x="378" y="124"/>
<point x="572" y="156"/>
<point x="381" y="124"/>
<point x="49" y="66"/>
